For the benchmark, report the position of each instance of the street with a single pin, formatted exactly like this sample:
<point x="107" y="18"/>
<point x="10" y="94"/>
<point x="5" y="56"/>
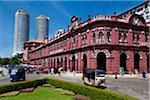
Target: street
<point x="6" y="80"/>
<point x="130" y="87"/>
<point x="126" y="86"/>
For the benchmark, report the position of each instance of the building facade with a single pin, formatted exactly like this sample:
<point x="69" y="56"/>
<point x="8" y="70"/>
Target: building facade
<point x="142" y="9"/>
<point x="102" y="42"/>
<point x="30" y="45"/>
<point x="42" y="23"/>
<point x="21" y="31"/>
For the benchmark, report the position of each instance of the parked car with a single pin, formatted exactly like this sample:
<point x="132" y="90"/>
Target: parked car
<point x="44" y="71"/>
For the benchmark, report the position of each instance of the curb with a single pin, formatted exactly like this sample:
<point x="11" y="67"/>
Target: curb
<point x="107" y="76"/>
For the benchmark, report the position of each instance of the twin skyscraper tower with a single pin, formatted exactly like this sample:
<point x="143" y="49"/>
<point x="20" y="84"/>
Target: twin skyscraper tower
<point x="22" y="27"/>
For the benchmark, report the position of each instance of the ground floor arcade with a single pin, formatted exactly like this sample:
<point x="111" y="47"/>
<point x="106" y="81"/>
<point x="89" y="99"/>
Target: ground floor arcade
<point x="109" y="61"/>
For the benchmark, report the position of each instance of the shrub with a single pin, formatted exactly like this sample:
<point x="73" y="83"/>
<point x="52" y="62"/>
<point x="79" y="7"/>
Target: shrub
<point x="93" y="93"/>
<point x="21" y="85"/>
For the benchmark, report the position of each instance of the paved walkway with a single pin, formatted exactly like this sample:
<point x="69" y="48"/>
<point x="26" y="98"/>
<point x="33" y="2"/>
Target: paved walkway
<point x="139" y="76"/>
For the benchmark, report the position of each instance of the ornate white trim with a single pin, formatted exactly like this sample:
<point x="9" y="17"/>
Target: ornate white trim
<point x="107" y="53"/>
<point x="100" y="28"/>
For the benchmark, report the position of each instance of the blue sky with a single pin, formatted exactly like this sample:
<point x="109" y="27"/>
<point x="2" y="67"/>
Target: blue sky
<point x="60" y="13"/>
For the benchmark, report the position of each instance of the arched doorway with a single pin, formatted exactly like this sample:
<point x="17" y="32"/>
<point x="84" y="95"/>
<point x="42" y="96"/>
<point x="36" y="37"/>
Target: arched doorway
<point x="84" y="61"/>
<point x="61" y="62"/>
<point x="73" y="63"/>
<point x="51" y="63"/>
<point x="101" y="61"/>
<point x="148" y="65"/>
<point x="54" y="63"/>
<point x="58" y="63"/>
<point x="136" y="62"/>
<point x="65" y="67"/>
<point x="123" y="58"/>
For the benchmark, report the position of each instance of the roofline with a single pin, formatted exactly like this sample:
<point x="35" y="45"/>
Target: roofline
<point x="134" y="7"/>
<point x="32" y="41"/>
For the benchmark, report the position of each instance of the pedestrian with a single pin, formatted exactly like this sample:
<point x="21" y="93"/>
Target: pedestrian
<point x="139" y="75"/>
<point x="49" y="71"/>
<point x="116" y="74"/>
<point x="52" y="70"/>
<point x="144" y="75"/>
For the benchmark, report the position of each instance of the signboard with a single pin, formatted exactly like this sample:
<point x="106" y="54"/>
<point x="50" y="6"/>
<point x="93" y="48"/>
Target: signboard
<point x="56" y="51"/>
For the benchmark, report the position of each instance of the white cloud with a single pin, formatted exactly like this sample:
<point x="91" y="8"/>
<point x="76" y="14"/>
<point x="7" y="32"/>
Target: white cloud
<point x="59" y="8"/>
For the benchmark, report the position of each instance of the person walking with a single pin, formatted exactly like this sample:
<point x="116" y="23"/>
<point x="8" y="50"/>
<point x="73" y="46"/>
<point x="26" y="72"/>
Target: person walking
<point x="144" y="75"/>
<point x="116" y="74"/>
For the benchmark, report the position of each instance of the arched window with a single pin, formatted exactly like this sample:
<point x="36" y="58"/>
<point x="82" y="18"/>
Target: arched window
<point x="146" y="37"/>
<point x="138" y="37"/>
<point x="125" y="36"/>
<point x="133" y="36"/>
<point x="108" y="36"/>
<point x="120" y="35"/>
<point x="84" y="61"/>
<point x="73" y="39"/>
<point x="85" y="37"/>
<point x="82" y="37"/>
<point x="101" y="36"/>
<point x="93" y="35"/>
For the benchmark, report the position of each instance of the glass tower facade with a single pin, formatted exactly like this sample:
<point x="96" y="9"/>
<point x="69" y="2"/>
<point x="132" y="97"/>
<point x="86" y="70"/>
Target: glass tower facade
<point x="42" y="23"/>
<point x="21" y="31"/>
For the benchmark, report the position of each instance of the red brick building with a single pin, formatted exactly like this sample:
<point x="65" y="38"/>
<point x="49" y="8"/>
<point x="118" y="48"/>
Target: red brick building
<point x="102" y="42"/>
<point x="29" y="46"/>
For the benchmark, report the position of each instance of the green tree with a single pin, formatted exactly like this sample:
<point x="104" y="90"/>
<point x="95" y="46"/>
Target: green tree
<point x="5" y="61"/>
<point x="0" y="60"/>
<point x="14" y="60"/>
<point x="17" y="59"/>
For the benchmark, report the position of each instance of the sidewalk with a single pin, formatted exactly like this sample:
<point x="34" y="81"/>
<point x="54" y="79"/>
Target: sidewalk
<point x="122" y="76"/>
<point x="139" y="76"/>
